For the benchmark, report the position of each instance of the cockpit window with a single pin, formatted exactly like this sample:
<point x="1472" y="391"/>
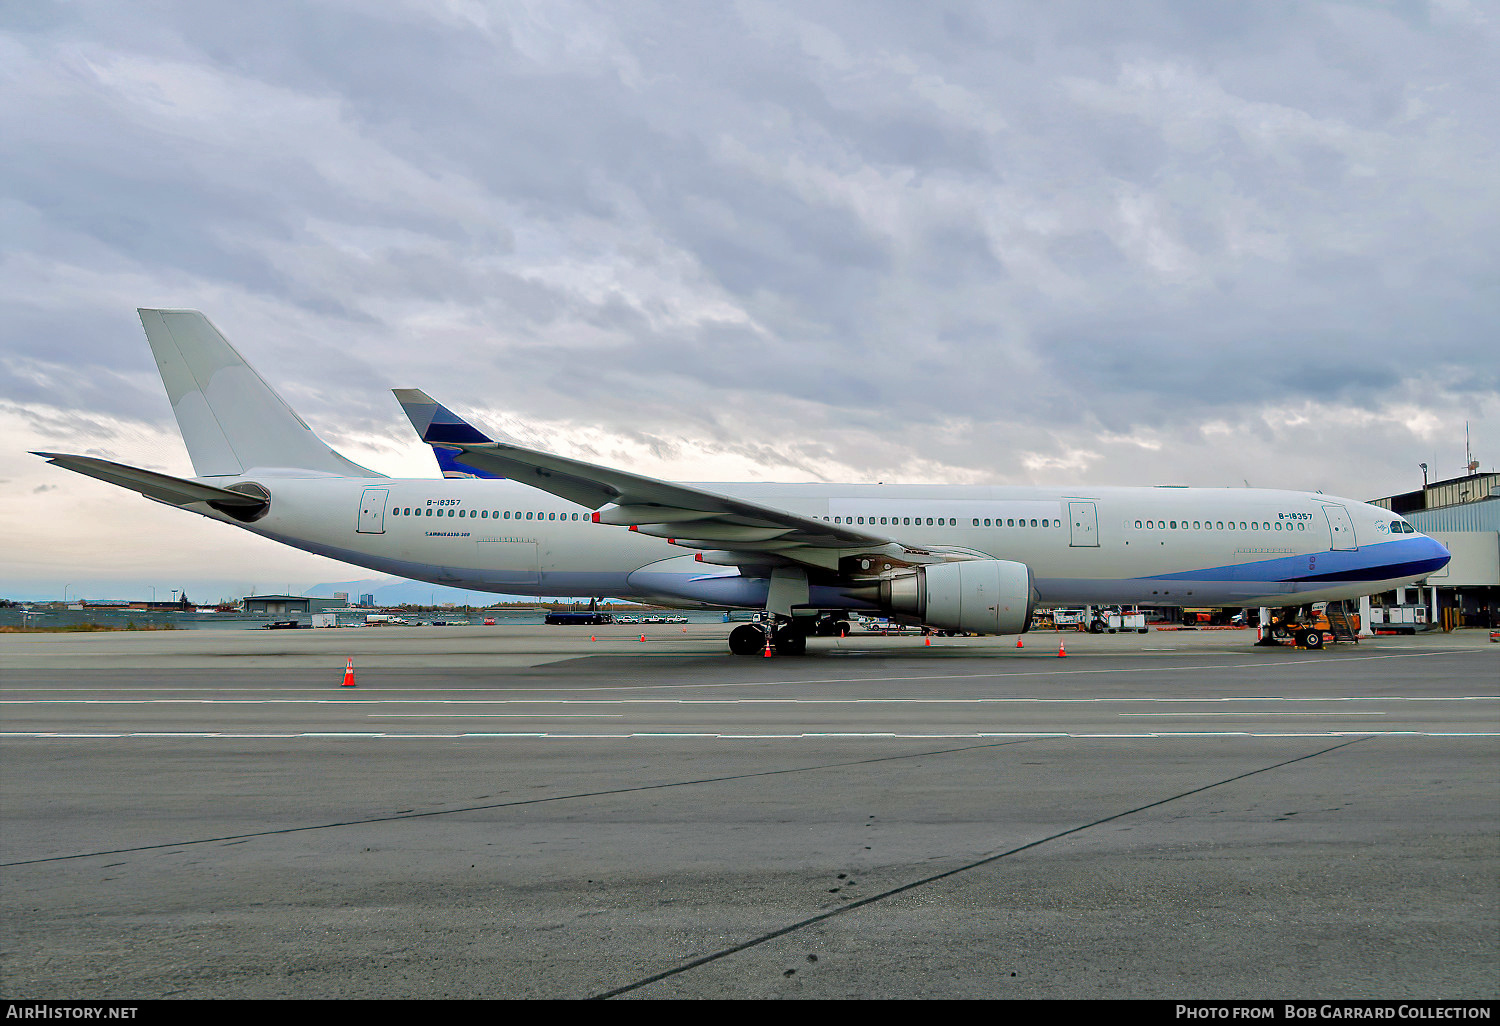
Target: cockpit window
<point x="1402" y="527"/>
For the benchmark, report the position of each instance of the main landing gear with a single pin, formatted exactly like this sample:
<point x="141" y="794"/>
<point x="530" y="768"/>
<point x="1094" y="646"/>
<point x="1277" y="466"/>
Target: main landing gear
<point x="787" y="637"/>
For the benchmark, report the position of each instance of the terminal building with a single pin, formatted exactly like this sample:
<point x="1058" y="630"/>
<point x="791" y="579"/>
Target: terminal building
<point x="1464" y="514"/>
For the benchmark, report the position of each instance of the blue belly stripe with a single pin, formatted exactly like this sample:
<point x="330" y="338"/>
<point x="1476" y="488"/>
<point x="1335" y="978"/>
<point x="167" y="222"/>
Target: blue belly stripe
<point x="1383" y="561"/>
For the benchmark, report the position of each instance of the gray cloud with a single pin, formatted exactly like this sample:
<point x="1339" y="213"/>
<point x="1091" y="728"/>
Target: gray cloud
<point x="977" y="232"/>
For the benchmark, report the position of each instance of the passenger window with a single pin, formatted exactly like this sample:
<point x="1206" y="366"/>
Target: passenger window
<point x="986" y="521"/>
<point x="528" y="516"/>
<point x="1138" y="525"/>
<point x="976" y="521"/>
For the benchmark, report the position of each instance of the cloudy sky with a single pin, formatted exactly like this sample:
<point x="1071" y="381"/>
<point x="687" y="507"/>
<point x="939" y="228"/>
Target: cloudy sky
<point x="1103" y="243"/>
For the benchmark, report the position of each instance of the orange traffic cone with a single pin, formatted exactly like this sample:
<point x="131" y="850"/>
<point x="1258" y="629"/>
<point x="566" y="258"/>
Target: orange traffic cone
<point x="643" y="637"/>
<point x="349" y="674"/>
<point x="593" y="637"/>
<point x="1018" y="643"/>
<point x="1062" y="650"/>
<point x="928" y="642"/>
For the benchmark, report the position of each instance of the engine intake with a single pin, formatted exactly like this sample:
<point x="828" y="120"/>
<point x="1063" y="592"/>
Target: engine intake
<point x="979" y="596"/>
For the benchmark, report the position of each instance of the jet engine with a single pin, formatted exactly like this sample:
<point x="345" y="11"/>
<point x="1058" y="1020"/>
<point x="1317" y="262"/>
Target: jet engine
<point x="978" y="596"/>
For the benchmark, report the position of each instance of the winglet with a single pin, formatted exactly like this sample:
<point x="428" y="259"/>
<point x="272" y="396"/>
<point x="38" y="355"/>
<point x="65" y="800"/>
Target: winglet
<point x="437" y="425"/>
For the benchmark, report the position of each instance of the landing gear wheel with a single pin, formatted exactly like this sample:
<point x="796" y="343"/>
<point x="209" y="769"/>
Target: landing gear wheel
<point x="747" y="639"/>
<point x="1097" y="627"/>
<point x="789" y="642"/>
<point x="1312" y="638"/>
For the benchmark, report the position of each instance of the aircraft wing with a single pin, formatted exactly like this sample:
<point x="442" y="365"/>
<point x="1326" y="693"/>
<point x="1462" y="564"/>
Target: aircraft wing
<point x="735" y="530"/>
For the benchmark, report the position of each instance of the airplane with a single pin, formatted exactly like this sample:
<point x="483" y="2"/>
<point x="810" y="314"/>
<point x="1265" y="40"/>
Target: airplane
<point x="975" y="559"/>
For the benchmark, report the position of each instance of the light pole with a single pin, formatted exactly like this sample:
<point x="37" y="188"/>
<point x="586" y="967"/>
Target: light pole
<point x="65" y="593"/>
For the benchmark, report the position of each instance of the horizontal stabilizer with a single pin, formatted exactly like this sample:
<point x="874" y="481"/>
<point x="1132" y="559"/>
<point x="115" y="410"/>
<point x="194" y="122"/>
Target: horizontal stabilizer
<point x="174" y="491"/>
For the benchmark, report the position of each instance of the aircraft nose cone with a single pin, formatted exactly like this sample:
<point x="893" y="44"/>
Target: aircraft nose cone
<point x="1439" y="551"/>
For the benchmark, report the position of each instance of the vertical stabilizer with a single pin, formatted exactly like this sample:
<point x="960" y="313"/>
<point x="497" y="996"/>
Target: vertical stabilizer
<point x="231" y="420"/>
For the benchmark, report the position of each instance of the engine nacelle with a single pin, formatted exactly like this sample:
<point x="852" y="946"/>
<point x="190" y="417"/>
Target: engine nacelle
<point x="979" y="596"/>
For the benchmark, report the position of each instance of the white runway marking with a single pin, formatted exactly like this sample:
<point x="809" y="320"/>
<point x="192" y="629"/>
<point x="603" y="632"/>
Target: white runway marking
<point x="739" y="701"/>
<point x="1267" y="712"/>
<point x="1314" y="661"/>
<point x="499" y="716"/>
<point x="673" y="735"/>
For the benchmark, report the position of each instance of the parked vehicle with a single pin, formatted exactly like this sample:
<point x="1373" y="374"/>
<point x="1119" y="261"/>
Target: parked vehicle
<point x="582" y="619"/>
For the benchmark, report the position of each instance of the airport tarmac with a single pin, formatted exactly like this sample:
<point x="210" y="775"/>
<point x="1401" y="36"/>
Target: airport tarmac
<point x="523" y="812"/>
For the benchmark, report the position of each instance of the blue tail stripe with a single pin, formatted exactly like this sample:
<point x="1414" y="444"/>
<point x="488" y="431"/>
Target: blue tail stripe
<point x="447" y="460"/>
<point x="448" y="427"/>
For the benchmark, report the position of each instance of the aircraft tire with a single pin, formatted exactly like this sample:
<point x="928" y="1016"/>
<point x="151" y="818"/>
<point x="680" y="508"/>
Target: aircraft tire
<point x="789" y="642"/>
<point x="747" y="640"/>
<point x="1312" y="638"/>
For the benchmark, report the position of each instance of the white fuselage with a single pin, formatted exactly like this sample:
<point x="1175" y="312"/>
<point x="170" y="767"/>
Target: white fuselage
<point x="1148" y="546"/>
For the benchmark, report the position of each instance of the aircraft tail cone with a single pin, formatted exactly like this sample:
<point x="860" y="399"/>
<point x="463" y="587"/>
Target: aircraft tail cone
<point x="349" y="674"/>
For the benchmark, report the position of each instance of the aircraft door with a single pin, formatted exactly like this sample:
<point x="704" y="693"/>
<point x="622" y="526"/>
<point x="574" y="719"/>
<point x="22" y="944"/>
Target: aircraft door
<point x="372" y="511"/>
<point x="1083" y="525"/>
<point x="1341" y="529"/>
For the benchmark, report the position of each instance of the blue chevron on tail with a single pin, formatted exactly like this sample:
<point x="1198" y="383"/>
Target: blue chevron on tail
<point x="436" y="424"/>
